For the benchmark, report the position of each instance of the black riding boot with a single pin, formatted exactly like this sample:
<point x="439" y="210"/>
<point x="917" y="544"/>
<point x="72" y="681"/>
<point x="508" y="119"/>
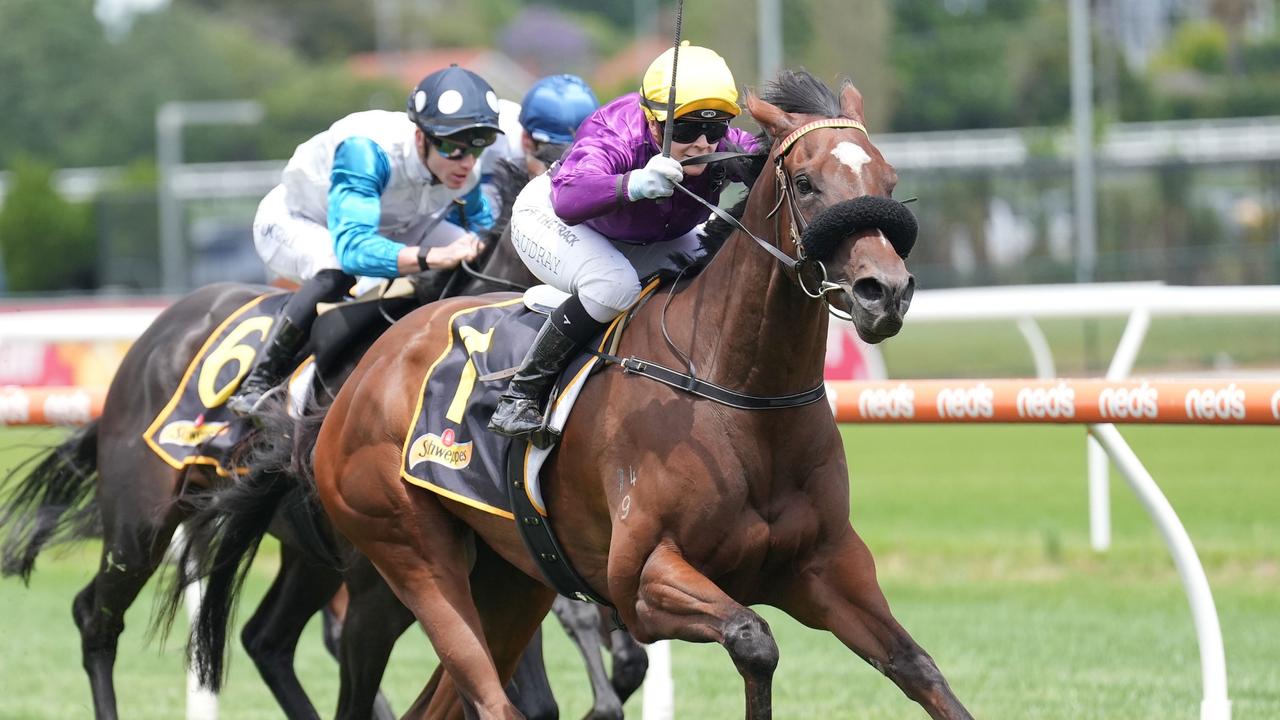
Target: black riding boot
<point x="271" y="369"/>
<point x="291" y="333"/>
<point x="519" y="411"/>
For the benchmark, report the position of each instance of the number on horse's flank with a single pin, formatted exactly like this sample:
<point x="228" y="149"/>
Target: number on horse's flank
<point x="228" y="350"/>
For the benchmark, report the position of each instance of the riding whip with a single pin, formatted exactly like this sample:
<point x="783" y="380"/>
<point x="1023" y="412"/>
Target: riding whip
<point x="671" y="96"/>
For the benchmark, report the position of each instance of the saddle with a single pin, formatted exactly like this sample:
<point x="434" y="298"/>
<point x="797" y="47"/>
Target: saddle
<point x="195" y="427"/>
<point x="449" y="450"/>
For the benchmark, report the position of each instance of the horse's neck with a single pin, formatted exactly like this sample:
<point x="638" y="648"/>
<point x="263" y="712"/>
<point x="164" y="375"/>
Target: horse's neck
<point x="753" y="329"/>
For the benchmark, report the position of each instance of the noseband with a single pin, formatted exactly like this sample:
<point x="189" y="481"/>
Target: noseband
<point x="817" y="241"/>
<point x="831" y="225"/>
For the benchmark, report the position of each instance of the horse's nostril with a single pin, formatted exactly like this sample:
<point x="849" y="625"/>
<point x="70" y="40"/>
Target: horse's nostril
<point x="869" y="291"/>
<point x="905" y="301"/>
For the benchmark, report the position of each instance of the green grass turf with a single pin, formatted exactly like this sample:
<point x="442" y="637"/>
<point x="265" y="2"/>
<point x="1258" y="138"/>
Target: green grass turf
<point x="1080" y="347"/>
<point x="981" y="537"/>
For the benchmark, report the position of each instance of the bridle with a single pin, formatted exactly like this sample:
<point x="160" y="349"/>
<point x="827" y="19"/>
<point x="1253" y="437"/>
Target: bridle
<point x="689" y="381"/>
<point x="798" y="221"/>
<point x="801" y="264"/>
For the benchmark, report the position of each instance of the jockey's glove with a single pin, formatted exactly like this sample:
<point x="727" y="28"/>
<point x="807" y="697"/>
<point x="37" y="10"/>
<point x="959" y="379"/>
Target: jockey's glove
<point x="657" y="179"/>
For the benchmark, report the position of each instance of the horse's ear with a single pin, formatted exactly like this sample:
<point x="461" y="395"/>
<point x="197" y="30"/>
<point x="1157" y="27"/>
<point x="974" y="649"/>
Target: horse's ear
<point x="773" y="119"/>
<point x="851" y="102"/>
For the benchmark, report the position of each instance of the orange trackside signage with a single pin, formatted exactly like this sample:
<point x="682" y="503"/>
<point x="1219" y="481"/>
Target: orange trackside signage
<point x="1208" y="402"/>
<point x="1196" y="402"/>
<point x="49" y="405"/>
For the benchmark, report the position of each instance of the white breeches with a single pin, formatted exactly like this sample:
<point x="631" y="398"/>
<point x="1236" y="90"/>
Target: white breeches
<point x="296" y="247"/>
<point x="291" y="245"/>
<point x="603" y="273"/>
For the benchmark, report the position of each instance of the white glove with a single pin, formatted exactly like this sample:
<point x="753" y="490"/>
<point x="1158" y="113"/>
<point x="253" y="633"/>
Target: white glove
<point x="657" y="179"/>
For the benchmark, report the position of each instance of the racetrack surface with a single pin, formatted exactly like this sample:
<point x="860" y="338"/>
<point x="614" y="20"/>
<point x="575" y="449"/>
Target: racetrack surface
<point x="981" y="538"/>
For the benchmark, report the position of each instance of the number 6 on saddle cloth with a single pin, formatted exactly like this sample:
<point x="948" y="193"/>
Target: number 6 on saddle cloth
<point x="196" y="428"/>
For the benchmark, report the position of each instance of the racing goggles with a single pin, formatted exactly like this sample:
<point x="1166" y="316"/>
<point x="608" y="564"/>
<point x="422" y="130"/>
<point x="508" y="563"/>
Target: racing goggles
<point x="459" y="145"/>
<point x="687" y="131"/>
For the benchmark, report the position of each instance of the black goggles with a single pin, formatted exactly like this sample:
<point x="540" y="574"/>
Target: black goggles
<point x="687" y="131"/>
<point x="459" y="145"/>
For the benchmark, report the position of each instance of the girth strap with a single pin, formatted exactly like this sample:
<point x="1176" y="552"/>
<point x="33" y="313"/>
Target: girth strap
<point x="711" y="391"/>
<point x="539" y="539"/>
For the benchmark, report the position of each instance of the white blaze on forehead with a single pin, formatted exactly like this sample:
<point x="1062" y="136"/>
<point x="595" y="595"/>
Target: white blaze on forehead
<point x="852" y="156"/>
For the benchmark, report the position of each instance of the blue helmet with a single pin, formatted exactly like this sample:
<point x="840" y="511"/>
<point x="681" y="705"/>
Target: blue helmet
<point x="555" y="106"/>
<point x="453" y="100"/>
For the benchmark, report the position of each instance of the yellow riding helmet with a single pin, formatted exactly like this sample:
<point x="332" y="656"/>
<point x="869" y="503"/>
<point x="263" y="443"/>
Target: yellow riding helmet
<point x="704" y="86"/>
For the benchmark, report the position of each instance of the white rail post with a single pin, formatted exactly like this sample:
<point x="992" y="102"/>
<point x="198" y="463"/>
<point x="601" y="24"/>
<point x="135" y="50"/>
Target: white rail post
<point x="1135" y="331"/>
<point x="659" y="690"/>
<point x="1204" y="614"/>
<point x="1041" y="355"/>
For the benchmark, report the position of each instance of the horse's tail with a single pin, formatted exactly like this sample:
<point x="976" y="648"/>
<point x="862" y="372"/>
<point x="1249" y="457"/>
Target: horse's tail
<point x="227" y="526"/>
<point x="50" y="498"/>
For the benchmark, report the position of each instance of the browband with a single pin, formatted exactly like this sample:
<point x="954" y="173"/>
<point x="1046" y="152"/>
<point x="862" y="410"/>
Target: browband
<point x="816" y="124"/>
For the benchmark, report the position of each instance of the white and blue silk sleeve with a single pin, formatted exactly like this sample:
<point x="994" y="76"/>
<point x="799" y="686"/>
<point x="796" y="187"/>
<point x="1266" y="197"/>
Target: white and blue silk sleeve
<point x="361" y="171"/>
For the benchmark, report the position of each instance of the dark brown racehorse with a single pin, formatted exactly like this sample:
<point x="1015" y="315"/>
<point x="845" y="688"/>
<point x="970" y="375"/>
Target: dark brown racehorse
<point x="104" y="479"/>
<point x="725" y="508"/>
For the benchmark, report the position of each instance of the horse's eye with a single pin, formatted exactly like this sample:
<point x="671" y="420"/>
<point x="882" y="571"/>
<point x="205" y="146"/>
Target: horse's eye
<point x="804" y="185"/>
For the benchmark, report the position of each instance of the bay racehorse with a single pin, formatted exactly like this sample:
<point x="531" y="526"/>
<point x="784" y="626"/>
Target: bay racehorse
<point x="104" y="481"/>
<point x="725" y="507"/>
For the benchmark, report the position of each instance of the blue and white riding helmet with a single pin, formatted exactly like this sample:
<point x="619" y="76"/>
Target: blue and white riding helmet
<point x="555" y="106"/>
<point x="454" y="100"/>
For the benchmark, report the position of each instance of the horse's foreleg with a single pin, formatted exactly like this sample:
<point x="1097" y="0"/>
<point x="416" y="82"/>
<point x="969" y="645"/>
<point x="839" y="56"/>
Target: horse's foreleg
<point x="582" y="622"/>
<point x="374" y="620"/>
<point x="270" y="637"/>
<point x="838" y="592"/>
<point x="630" y="662"/>
<point x="676" y="601"/>
<point x="530" y="689"/>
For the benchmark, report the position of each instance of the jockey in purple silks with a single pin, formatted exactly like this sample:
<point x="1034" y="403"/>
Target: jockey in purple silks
<point x="605" y="215"/>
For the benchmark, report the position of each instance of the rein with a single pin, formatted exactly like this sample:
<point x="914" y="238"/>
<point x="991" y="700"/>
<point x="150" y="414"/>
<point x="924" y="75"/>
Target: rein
<point x="688" y="382"/>
<point x="466" y="266"/>
<point x="785" y="192"/>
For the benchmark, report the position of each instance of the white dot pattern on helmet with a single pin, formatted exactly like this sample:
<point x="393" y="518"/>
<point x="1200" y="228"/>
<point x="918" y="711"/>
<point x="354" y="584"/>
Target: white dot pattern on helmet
<point x="449" y="102"/>
<point x="492" y="100"/>
<point x="419" y="100"/>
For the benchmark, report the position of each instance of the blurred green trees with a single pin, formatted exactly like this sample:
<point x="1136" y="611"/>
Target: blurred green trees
<point x="47" y="243"/>
<point x="76" y="94"/>
<point x="75" y="97"/>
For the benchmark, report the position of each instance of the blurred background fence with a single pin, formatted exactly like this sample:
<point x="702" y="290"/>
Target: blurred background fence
<point x="969" y="98"/>
<point x="1188" y="202"/>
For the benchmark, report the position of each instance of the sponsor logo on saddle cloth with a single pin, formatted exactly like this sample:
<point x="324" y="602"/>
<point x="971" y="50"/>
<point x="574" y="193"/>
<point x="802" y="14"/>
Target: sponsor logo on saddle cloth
<point x="449" y="449"/>
<point x="195" y="428"/>
<point x="189" y="434"/>
<point x="443" y="449"/>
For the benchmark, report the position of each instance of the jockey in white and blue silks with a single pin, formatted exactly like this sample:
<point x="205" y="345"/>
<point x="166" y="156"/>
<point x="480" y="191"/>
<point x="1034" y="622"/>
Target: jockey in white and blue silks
<point x="605" y="215"/>
<point x="538" y="130"/>
<point x="369" y="197"/>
